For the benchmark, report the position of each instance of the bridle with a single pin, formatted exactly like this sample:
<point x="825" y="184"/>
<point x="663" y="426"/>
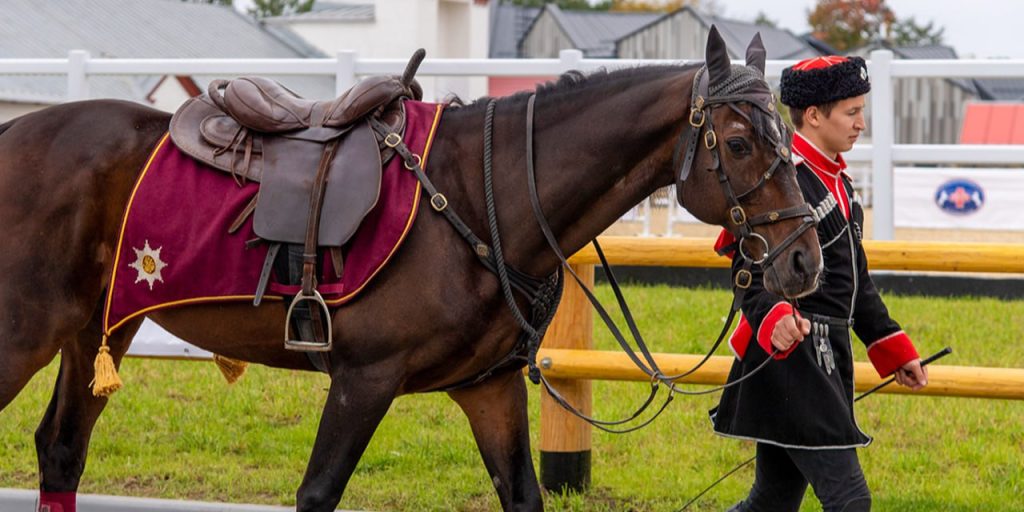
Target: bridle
<point x="699" y="122"/>
<point x="543" y="294"/>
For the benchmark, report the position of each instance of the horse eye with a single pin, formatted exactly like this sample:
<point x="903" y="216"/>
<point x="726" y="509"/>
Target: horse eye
<point x="738" y="146"/>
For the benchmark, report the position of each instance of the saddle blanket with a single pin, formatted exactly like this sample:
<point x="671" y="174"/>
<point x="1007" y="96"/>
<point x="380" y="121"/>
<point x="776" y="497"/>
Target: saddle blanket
<point x="174" y="248"/>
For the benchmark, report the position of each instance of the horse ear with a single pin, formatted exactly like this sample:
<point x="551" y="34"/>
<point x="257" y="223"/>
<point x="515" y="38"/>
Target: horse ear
<point x="716" y="57"/>
<point x="756" y="54"/>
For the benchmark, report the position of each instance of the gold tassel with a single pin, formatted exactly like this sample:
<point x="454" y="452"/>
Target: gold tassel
<point x="106" y="380"/>
<point x="232" y="369"/>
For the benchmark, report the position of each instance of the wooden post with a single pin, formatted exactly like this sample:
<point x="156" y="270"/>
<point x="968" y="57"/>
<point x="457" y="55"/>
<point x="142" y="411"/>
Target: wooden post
<point x="564" y="438"/>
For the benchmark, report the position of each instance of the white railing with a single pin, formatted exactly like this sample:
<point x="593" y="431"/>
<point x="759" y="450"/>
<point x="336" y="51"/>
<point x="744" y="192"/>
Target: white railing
<point x="882" y="154"/>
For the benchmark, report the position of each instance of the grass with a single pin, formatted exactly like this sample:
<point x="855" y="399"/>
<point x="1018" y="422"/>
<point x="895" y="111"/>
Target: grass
<point x="177" y="431"/>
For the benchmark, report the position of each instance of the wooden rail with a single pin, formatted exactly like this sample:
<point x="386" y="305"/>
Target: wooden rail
<point x="961" y="381"/>
<point x="568" y="362"/>
<point x="883" y="255"/>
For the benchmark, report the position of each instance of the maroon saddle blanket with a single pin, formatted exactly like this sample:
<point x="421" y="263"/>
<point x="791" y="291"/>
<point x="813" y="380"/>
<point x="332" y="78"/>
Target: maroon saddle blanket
<point x="174" y="249"/>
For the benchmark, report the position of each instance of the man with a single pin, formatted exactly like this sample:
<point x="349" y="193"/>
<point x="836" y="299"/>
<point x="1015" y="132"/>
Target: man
<point x="799" y="408"/>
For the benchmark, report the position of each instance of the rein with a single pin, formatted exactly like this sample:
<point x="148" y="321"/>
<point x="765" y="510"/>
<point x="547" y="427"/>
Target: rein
<point x="544" y="294"/>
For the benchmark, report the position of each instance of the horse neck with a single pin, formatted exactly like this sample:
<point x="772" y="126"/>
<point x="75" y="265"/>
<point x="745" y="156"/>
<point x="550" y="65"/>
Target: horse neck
<point x="599" y="149"/>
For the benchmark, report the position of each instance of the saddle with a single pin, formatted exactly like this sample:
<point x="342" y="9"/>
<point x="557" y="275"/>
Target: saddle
<point x="318" y="164"/>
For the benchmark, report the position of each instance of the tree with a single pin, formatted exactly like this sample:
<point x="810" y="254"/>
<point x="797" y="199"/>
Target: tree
<point x="215" y="2"/>
<point x="651" y="5"/>
<point x="849" y="24"/>
<point x="908" y="33"/>
<point x="763" y="20"/>
<point x="265" y="8"/>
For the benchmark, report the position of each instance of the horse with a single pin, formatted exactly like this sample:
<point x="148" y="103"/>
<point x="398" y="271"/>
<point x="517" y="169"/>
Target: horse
<point x="601" y="144"/>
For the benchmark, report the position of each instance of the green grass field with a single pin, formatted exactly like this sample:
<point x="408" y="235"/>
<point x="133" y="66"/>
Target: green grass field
<point x="177" y="431"/>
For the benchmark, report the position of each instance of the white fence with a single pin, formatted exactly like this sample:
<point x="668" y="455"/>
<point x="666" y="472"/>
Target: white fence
<point x="882" y="154"/>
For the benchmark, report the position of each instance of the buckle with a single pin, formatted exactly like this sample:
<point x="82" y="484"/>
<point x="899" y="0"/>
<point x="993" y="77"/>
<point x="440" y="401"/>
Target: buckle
<point x="416" y="162"/>
<point x="737" y="215"/>
<point x="744" y="279"/>
<point x="784" y="152"/>
<point x="438" y="202"/>
<point x="696" y="117"/>
<point x="710" y="139"/>
<point x="389" y="142"/>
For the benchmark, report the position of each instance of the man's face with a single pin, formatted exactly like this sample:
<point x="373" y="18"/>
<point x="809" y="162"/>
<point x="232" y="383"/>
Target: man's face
<point x="842" y="127"/>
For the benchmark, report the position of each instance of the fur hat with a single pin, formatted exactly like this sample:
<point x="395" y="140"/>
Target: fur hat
<point x="823" y="80"/>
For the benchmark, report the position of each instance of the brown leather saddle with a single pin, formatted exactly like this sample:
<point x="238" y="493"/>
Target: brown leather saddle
<point x="318" y="164"/>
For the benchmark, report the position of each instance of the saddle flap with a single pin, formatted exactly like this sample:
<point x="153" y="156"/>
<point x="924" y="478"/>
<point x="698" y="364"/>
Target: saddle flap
<point x="353" y="186"/>
<point x="321" y="134"/>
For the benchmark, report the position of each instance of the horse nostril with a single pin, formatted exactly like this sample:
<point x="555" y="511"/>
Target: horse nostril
<point x="800" y="263"/>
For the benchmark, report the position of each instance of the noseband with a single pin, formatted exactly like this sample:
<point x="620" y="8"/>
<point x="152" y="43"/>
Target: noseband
<point x="700" y="122"/>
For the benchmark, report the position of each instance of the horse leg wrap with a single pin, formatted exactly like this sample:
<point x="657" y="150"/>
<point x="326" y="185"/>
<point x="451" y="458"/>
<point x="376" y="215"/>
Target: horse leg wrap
<point x="57" y="501"/>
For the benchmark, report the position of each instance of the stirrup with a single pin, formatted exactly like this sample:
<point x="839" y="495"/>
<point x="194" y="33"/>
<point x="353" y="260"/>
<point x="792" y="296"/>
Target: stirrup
<point x="308" y="346"/>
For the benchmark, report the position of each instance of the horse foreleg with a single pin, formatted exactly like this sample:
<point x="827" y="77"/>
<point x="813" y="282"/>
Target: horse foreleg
<point x="497" y="414"/>
<point x="356" y="403"/>
<point x="62" y="439"/>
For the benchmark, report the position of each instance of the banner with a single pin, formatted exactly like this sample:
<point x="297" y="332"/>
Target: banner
<point x="958" y="198"/>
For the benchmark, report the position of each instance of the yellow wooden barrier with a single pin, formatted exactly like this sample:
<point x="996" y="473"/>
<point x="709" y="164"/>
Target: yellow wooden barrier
<point x="882" y="255"/>
<point x="572" y="369"/>
<point x="960" y="381"/>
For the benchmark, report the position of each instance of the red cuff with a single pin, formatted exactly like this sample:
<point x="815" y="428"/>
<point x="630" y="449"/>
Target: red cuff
<point x="764" y="333"/>
<point x="725" y="239"/>
<point x="57" y="501"/>
<point x="740" y="338"/>
<point x="891" y="352"/>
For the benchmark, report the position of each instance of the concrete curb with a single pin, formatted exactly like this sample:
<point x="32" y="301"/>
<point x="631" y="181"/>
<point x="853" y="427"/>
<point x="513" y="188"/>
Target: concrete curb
<point x="18" y="500"/>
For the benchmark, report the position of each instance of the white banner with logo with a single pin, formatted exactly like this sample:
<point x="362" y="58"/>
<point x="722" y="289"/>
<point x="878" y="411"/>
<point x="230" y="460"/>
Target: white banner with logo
<point x="958" y="198"/>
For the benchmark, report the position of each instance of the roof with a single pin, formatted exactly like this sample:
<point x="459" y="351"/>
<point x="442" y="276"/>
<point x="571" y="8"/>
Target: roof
<point x="780" y="44"/>
<point x="993" y="123"/>
<point x="129" y="29"/>
<point x="509" y="24"/>
<point x="329" y="12"/>
<point x="595" y="32"/>
<point x="997" y="89"/>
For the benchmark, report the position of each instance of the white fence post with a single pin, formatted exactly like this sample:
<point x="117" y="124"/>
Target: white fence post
<point x="345" y="74"/>
<point x="570" y="59"/>
<point x="78" y="81"/>
<point x="882" y="135"/>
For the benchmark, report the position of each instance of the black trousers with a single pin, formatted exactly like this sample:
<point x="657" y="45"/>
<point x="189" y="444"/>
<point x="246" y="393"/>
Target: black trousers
<point x="782" y="476"/>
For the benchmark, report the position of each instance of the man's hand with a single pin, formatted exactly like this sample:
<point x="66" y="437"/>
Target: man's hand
<point x="787" y="332"/>
<point x="912" y="375"/>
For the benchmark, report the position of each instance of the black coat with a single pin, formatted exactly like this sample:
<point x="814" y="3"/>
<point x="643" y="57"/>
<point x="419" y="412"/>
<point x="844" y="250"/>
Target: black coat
<point x="803" y="400"/>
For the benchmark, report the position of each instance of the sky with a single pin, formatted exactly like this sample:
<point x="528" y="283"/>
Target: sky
<point x="975" y="28"/>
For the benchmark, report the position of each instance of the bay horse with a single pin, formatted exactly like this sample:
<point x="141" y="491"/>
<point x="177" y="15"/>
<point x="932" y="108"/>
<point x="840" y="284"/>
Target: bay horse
<point x="434" y="316"/>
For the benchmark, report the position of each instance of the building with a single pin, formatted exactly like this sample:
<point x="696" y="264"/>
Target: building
<point x="136" y="29"/>
<point x="683" y="35"/>
<point x="595" y="33"/>
<point x="394" y="29"/>
<point x="933" y="110"/>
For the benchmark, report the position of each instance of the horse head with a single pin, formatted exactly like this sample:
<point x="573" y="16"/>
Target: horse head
<point x="734" y="169"/>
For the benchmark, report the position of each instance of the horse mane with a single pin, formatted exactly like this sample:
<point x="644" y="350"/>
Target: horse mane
<point x="574" y="81"/>
<point x="5" y="126"/>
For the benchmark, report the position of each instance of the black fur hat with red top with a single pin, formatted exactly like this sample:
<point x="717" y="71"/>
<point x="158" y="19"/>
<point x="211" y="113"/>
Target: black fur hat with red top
<point x="822" y="80"/>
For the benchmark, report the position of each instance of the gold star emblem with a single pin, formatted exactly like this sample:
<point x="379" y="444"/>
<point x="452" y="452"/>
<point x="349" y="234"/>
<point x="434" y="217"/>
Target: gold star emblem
<point x="148" y="263"/>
